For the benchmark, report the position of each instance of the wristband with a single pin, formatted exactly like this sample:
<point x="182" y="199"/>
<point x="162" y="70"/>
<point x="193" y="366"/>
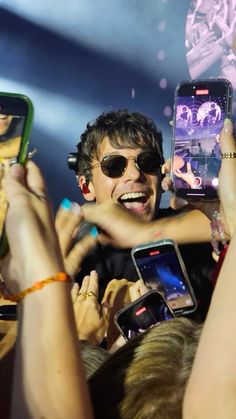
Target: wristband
<point x="60" y="276"/>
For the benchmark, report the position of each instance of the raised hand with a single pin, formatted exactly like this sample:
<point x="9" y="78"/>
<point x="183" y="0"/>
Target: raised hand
<point x="91" y="318"/>
<point x="68" y="221"/>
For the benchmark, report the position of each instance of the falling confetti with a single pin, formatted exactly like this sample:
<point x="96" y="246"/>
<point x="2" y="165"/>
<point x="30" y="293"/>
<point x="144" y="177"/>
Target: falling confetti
<point x="133" y="93"/>
<point x="167" y="111"/>
<point x="162" y="26"/>
<point x="161" y="55"/>
<point x="163" y="83"/>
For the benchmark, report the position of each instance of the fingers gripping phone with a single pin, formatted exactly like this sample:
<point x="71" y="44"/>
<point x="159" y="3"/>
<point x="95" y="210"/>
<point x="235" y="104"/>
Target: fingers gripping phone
<point x="16" y="114"/>
<point x="161" y="267"/>
<point x="200" y="108"/>
<point x="145" y="312"/>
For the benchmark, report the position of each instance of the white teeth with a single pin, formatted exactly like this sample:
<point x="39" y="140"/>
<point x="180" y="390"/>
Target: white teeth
<point x="132" y="195"/>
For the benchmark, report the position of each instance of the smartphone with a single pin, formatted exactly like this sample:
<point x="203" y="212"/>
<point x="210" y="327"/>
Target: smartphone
<point x="162" y="268"/>
<point x="16" y="115"/>
<point x="200" y="107"/>
<point x="8" y="312"/>
<point x="148" y="310"/>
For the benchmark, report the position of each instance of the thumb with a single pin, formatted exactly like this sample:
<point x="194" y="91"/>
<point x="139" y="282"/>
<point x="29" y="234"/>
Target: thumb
<point x="74" y="292"/>
<point x="17" y="172"/>
<point x="105" y="312"/>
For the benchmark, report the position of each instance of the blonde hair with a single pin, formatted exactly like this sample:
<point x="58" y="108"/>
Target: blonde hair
<point x="146" y="379"/>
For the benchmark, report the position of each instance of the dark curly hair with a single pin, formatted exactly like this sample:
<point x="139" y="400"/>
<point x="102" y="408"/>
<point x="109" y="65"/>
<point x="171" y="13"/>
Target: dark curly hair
<point x="124" y="129"/>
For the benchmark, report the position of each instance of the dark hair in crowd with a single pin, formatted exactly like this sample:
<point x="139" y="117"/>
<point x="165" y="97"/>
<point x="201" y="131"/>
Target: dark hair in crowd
<point x="124" y="129"/>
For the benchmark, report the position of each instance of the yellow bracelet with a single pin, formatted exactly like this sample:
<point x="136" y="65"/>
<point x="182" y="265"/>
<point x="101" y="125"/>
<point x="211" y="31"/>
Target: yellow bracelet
<point x="60" y="276"/>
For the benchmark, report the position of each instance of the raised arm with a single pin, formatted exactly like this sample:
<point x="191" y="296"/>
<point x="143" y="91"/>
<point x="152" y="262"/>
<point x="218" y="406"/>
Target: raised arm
<point x="125" y="230"/>
<point x="211" y="391"/>
<point x="49" y="379"/>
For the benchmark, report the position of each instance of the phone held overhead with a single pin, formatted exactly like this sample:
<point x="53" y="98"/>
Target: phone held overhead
<point x="16" y="115"/>
<point x="200" y="108"/>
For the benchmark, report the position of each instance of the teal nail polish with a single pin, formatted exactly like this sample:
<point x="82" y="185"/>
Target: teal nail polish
<point x="93" y="232"/>
<point x="66" y="204"/>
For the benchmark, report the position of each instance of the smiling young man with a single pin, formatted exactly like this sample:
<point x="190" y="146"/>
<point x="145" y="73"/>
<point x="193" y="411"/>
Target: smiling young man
<point x="119" y="158"/>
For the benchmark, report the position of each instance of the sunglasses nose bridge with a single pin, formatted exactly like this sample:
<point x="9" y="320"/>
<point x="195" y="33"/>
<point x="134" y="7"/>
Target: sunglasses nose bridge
<point x="132" y="169"/>
<point x="136" y="162"/>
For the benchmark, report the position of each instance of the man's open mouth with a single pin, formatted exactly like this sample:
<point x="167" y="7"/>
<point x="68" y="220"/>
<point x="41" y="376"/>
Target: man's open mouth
<point x="134" y="201"/>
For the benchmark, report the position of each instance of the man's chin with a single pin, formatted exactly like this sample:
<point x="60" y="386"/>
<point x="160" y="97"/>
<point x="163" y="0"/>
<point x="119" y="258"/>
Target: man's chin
<point x="141" y="211"/>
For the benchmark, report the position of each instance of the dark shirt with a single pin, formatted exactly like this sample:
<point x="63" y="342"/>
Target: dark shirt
<point x="111" y="262"/>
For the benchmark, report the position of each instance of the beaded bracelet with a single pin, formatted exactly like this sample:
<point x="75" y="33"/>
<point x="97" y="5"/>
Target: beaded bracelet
<point x="60" y="276"/>
<point x="217" y="233"/>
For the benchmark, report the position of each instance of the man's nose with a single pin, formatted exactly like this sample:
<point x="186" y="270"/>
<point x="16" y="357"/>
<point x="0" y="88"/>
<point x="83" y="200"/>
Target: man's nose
<point x="132" y="170"/>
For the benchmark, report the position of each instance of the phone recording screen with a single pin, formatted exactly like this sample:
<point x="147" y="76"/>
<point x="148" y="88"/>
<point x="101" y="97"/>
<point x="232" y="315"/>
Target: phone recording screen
<point x="11" y="129"/>
<point x="148" y="311"/>
<point x="197" y="158"/>
<point x="161" y="270"/>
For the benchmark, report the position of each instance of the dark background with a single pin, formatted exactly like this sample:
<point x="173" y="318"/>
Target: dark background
<point x="77" y="58"/>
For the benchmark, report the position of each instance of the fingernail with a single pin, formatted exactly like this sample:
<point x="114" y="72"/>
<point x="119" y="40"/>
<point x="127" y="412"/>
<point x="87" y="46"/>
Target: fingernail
<point x="17" y="170"/>
<point x="228" y="126"/>
<point x="66" y="204"/>
<point x="75" y="208"/>
<point x="93" y="232"/>
<point x="165" y="187"/>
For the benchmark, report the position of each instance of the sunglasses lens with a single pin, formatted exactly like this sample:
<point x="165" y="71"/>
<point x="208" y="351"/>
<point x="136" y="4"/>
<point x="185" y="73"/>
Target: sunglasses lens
<point x="149" y="162"/>
<point x="113" y="166"/>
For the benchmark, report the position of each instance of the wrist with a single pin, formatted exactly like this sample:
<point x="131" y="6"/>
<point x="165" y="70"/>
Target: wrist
<point x="150" y="232"/>
<point x="36" y="286"/>
<point x="36" y="273"/>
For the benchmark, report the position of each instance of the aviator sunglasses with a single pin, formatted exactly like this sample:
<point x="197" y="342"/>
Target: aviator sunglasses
<point x="115" y="165"/>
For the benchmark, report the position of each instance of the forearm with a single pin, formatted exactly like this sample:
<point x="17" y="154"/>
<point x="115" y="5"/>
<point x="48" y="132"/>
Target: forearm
<point x="126" y="230"/>
<point x="214" y="370"/>
<point x="189" y="227"/>
<point x="49" y="379"/>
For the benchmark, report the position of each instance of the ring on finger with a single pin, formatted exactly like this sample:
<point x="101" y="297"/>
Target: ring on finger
<point x="83" y="294"/>
<point x="91" y="294"/>
<point x="228" y="155"/>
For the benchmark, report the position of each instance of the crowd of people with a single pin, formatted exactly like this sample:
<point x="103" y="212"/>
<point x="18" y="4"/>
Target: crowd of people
<point x="70" y="360"/>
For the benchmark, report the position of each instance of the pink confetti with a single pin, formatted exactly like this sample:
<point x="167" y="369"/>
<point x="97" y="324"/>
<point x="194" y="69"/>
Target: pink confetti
<point x="167" y="111"/>
<point x="161" y="54"/>
<point x="163" y="83"/>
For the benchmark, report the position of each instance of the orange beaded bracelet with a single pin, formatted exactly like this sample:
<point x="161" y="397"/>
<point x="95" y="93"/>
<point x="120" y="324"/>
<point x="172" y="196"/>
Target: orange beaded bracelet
<point x="60" y="276"/>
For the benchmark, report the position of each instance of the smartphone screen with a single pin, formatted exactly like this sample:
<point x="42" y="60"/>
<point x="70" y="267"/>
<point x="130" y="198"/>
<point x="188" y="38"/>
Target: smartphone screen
<point x="145" y="312"/>
<point x="16" y="112"/>
<point x="8" y="312"/>
<point x="161" y="267"/>
<point x="200" y="110"/>
<point x="11" y="127"/>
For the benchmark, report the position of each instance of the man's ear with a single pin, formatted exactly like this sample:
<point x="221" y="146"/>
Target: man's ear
<point x="87" y="188"/>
